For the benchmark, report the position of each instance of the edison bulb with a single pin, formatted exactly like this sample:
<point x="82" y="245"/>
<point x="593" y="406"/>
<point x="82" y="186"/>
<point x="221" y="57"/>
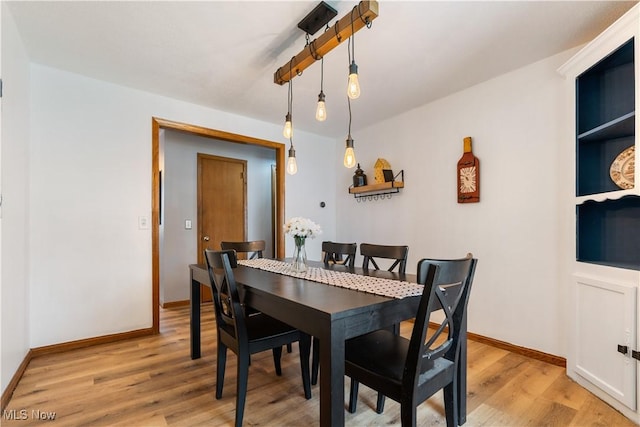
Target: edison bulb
<point x="292" y="166"/>
<point x="288" y="127"/>
<point x="349" y="157"/>
<point x="321" y="111"/>
<point x="353" y="87"/>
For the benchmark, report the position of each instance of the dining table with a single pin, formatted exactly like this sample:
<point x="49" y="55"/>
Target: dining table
<point x="333" y="314"/>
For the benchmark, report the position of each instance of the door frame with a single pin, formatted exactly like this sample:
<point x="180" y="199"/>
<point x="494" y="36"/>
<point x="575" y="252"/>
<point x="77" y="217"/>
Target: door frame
<point x="156" y="125"/>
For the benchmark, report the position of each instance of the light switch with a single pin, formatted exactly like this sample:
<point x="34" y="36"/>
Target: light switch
<point x="143" y="222"/>
<point x="187" y="224"/>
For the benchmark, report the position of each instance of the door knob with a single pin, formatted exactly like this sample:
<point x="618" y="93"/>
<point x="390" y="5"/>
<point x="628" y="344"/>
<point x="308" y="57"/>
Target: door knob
<point x="205" y="238"/>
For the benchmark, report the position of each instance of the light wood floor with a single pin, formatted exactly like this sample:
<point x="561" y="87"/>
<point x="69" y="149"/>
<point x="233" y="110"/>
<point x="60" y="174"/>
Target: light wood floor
<point x="152" y="381"/>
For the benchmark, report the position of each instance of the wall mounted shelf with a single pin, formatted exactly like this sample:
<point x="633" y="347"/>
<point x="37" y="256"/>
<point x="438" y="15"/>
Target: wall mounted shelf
<point x="378" y="191"/>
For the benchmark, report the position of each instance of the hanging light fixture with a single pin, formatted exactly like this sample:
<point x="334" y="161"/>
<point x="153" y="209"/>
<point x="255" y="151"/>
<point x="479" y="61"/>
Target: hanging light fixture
<point x="349" y="154"/>
<point x="288" y="126"/>
<point x="292" y="166"/>
<point x="353" y="87"/>
<point x="327" y="41"/>
<point x="321" y="110"/>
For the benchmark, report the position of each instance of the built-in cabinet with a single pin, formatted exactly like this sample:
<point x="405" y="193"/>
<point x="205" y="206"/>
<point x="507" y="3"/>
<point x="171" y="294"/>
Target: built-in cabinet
<point x="604" y="211"/>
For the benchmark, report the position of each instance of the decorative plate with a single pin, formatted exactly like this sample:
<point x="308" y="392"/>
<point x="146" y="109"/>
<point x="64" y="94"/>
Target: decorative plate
<point x="623" y="168"/>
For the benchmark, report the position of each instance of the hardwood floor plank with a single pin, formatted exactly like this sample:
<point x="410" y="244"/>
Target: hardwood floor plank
<point x="152" y="381"/>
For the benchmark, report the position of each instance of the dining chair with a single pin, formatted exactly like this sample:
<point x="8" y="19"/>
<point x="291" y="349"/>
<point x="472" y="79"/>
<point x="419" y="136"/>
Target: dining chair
<point x="246" y="335"/>
<point x="252" y="248"/>
<point x="370" y="252"/>
<point x="410" y="371"/>
<point x="333" y="253"/>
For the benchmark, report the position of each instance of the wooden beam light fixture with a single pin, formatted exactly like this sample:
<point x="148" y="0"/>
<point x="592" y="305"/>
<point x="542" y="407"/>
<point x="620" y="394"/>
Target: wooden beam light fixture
<point x="366" y="11"/>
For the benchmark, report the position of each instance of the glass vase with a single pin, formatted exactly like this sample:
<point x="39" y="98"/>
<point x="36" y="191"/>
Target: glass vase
<point x="299" y="263"/>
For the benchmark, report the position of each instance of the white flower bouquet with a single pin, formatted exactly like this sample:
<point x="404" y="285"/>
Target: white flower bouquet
<point x="299" y="227"/>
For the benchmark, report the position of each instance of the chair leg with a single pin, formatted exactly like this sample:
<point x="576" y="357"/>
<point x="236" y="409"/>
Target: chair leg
<point x="407" y="415"/>
<point x="353" y="396"/>
<point x="277" y="355"/>
<point x="380" y="403"/>
<point x="289" y="349"/>
<point x="221" y="364"/>
<point x="451" y="404"/>
<point x="243" y="376"/>
<point x="305" y="350"/>
<point x="315" y="361"/>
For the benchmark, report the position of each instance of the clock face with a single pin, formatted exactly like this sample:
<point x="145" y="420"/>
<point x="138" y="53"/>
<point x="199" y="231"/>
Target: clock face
<point x="468" y="179"/>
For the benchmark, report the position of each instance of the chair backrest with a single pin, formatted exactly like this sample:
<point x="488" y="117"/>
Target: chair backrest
<point x="252" y="248"/>
<point x="447" y="287"/>
<point x="333" y="253"/>
<point x="398" y="253"/>
<point x="226" y="300"/>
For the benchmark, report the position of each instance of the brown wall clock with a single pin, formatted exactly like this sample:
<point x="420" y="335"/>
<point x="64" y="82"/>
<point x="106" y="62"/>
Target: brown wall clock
<point x="468" y="175"/>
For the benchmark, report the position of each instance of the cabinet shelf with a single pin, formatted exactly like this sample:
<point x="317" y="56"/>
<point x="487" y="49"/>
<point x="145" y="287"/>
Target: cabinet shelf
<point x="605" y="119"/>
<point x="617" y="128"/>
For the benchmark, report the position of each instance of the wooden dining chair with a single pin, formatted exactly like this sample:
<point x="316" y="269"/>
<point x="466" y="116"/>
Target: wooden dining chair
<point x="246" y="335"/>
<point x="410" y="371"/>
<point x="252" y="249"/>
<point x="339" y="253"/>
<point x="370" y="252"/>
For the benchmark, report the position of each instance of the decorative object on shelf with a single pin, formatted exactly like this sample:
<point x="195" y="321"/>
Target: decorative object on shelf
<point x="380" y="165"/>
<point x="359" y="178"/>
<point x="468" y="175"/>
<point x="301" y="229"/>
<point x="383" y="190"/>
<point x="623" y="168"/>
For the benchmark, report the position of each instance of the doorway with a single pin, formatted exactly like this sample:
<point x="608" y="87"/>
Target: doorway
<point x="160" y="124"/>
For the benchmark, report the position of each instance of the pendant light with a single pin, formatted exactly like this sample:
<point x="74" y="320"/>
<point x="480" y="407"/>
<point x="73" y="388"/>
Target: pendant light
<point x="292" y="166"/>
<point x="288" y="125"/>
<point x="349" y="154"/>
<point x="353" y="87"/>
<point x="321" y="110"/>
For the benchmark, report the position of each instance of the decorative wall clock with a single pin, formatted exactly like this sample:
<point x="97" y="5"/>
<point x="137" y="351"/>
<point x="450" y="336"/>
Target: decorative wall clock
<point x="468" y="175"/>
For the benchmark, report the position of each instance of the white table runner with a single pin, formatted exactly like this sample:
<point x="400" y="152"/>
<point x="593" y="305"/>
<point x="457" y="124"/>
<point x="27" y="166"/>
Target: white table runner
<point x="373" y="285"/>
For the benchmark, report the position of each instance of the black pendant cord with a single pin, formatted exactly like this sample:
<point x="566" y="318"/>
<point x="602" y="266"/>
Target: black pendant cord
<point x="353" y="44"/>
<point x="349" y="104"/>
<point x="321" y="74"/>
<point x="290" y="105"/>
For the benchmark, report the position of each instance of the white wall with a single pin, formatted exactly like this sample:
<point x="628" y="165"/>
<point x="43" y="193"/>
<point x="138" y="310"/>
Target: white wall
<point x="516" y="122"/>
<point x="14" y="169"/>
<point x="91" y="180"/>
<point x="180" y="175"/>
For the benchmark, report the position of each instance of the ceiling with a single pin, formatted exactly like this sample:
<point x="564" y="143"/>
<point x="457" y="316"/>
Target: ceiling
<point x="223" y="54"/>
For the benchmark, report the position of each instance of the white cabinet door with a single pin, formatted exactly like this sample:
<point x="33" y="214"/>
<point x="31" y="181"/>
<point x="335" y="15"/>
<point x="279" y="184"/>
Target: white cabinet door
<point x="606" y="318"/>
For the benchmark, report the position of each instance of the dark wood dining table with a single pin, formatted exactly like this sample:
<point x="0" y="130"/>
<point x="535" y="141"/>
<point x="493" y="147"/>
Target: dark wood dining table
<point x="330" y="313"/>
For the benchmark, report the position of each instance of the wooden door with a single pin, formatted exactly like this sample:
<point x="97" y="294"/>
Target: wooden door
<point x="222" y="204"/>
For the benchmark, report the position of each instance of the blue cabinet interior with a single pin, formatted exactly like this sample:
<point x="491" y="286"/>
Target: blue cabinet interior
<point x="607" y="232"/>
